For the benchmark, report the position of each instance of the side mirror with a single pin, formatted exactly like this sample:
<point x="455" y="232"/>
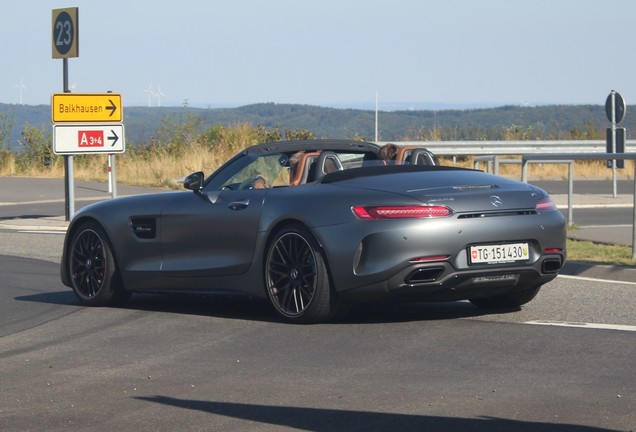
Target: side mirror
<point x="194" y="181"/>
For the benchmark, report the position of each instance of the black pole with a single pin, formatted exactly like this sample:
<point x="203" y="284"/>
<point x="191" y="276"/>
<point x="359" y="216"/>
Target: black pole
<point x="67" y="161"/>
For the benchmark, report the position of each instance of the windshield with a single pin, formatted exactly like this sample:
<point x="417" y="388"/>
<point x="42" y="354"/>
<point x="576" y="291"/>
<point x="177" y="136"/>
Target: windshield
<point x="274" y="170"/>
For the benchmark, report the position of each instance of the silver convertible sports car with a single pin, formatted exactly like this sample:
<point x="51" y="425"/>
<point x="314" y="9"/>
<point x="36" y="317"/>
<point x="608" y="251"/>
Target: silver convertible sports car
<point x="315" y="226"/>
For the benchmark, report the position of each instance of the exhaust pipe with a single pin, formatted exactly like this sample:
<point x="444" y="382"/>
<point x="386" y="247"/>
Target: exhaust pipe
<point x="424" y="275"/>
<point x="551" y="265"/>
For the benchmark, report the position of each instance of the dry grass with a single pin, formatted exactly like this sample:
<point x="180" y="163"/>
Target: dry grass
<point x="550" y="171"/>
<point x="181" y="147"/>
<point x="155" y="170"/>
<point x="161" y="169"/>
<point x="159" y="166"/>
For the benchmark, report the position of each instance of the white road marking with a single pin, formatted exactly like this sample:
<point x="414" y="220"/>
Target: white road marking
<point x="595" y="206"/>
<point x="605" y="226"/>
<point x="596" y="280"/>
<point x="61" y="200"/>
<point x="41" y="232"/>
<point x="584" y="325"/>
<point x="49" y="201"/>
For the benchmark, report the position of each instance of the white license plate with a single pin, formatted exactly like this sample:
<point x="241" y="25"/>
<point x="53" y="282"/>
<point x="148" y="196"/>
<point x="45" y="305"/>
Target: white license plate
<point x="495" y="254"/>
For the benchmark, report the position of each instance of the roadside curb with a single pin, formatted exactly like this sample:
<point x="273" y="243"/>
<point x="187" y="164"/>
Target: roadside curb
<point x="36" y="224"/>
<point x="599" y="271"/>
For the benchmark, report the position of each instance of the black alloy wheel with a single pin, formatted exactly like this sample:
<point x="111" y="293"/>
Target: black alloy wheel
<point x="296" y="277"/>
<point x="92" y="268"/>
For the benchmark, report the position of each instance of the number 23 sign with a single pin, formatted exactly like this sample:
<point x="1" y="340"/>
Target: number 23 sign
<point x="65" y="33"/>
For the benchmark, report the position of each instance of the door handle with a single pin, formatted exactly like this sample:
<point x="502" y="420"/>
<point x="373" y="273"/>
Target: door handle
<point x="239" y="205"/>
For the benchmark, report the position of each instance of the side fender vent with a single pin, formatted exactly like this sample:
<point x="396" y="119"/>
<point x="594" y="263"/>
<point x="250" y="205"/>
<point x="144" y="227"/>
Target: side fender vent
<point x="144" y="228"/>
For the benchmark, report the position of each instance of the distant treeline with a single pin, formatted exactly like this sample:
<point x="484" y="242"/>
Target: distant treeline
<point x="508" y="122"/>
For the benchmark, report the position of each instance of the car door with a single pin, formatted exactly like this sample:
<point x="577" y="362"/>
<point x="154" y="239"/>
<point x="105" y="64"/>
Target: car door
<point x="209" y="234"/>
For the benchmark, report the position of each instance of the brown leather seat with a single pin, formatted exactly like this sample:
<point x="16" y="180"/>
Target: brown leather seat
<point x="403" y="154"/>
<point x="302" y="168"/>
<point x="327" y="162"/>
<point x="421" y="156"/>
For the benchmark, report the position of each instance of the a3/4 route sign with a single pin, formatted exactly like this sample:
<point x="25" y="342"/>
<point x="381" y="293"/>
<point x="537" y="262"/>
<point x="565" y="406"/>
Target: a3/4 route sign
<point x="86" y="107"/>
<point x="89" y="138"/>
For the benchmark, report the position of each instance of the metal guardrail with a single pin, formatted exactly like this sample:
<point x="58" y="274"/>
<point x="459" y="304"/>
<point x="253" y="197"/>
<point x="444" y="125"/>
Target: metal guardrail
<point x="473" y="148"/>
<point x="566" y="158"/>
<point x="493" y="162"/>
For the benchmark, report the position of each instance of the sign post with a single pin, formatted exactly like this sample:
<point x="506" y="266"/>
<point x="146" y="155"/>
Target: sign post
<point x="65" y="44"/>
<point x="82" y="122"/>
<point x="89" y="123"/>
<point x="615" y="108"/>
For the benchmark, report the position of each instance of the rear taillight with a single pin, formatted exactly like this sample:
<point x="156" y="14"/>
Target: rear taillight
<point x="552" y="250"/>
<point x="431" y="258"/>
<point x="401" y="212"/>
<point x="545" y="204"/>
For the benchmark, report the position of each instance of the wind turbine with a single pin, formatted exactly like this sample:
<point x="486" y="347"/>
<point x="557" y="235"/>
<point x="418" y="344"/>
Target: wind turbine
<point x="150" y="93"/>
<point x="21" y="87"/>
<point x="159" y="94"/>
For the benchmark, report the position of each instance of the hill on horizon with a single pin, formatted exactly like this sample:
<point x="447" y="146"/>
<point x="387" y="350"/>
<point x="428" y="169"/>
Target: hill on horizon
<point x="532" y="122"/>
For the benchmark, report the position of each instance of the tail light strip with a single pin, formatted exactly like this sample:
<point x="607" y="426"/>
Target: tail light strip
<point x="401" y="212"/>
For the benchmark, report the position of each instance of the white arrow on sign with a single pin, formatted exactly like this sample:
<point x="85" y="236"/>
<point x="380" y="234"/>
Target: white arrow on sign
<point x="69" y="139"/>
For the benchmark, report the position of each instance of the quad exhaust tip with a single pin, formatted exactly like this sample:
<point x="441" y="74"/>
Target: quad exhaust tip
<point x="424" y="275"/>
<point x="551" y="265"/>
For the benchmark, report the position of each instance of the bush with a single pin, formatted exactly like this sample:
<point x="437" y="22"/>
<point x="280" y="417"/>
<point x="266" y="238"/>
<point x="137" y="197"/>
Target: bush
<point x="36" y="152"/>
<point x="7" y="163"/>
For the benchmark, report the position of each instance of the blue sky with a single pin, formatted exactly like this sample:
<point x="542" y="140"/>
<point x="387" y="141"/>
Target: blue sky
<point x="328" y="52"/>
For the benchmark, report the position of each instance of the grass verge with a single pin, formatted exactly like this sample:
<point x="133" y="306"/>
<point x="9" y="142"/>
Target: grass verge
<point x="595" y="253"/>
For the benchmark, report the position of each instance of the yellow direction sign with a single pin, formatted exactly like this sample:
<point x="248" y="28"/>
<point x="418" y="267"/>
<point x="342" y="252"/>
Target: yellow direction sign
<point x="86" y="107"/>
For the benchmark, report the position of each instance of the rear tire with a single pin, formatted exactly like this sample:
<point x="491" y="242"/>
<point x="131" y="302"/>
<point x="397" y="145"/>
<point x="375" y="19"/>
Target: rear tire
<point x="297" y="279"/>
<point x="92" y="268"/>
<point x="511" y="300"/>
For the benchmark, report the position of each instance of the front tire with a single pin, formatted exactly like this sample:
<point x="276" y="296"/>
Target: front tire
<point x="92" y="268"/>
<point x="512" y="300"/>
<point x="297" y="279"/>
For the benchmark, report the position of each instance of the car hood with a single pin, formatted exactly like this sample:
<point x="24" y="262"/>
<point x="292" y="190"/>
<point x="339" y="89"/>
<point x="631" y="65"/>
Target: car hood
<point x="461" y="190"/>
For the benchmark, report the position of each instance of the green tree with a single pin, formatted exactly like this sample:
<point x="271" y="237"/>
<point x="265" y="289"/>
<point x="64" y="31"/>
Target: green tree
<point x="36" y="150"/>
<point x="298" y="134"/>
<point x="6" y="130"/>
<point x="265" y="135"/>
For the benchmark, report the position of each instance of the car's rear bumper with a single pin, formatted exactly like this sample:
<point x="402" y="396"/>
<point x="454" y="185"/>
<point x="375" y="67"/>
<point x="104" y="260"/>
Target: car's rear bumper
<point x="440" y="281"/>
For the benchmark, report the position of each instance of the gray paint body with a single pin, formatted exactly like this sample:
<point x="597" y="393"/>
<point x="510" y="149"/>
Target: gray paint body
<point x="215" y="240"/>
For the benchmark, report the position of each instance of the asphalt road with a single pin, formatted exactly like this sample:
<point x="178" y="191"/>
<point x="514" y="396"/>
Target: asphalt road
<point x="24" y="197"/>
<point x="594" y="187"/>
<point x="166" y="363"/>
<point x="565" y="362"/>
